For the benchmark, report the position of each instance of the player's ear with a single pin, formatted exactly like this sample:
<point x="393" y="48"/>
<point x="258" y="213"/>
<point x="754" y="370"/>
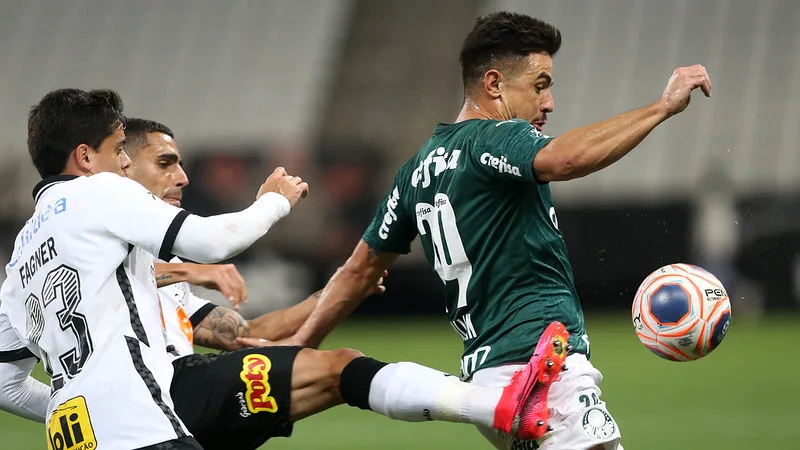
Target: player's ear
<point x="492" y="81"/>
<point x="83" y="155"/>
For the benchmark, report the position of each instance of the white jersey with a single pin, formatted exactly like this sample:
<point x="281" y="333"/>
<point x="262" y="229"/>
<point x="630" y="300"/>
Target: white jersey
<point x="182" y="312"/>
<point x="80" y="293"/>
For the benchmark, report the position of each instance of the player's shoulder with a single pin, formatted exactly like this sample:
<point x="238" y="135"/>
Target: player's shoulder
<point x="110" y="179"/>
<point x="511" y="127"/>
<point x="110" y="184"/>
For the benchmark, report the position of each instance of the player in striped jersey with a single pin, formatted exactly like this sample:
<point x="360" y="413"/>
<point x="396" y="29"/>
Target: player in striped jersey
<point x="80" y="292"/>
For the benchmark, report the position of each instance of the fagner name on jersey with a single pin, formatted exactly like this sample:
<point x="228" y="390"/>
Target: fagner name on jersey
<point x="441" y="160"/>
<point x="42" y="255"/>
<point x="500" y="164"/>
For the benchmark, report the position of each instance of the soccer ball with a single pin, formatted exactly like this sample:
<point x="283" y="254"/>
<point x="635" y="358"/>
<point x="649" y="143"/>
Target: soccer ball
<point x="681" y="312"/>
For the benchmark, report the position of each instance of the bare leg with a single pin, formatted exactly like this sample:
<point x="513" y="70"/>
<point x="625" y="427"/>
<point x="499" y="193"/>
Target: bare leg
<point x="315" y="380"/>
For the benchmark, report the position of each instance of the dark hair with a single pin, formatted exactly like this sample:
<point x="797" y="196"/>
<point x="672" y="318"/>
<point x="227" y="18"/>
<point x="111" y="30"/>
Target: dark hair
<point x="67" y="118"/>
<point x="136" y="131"/>
<point x="501" y="36"/>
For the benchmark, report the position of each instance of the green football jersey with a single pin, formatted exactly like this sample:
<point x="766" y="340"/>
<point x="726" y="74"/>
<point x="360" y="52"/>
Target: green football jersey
<point x="490" y="231"/>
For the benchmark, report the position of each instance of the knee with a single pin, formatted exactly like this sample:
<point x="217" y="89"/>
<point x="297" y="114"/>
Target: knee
<point x="328" y="365"/>
<point x="339" y="359"/>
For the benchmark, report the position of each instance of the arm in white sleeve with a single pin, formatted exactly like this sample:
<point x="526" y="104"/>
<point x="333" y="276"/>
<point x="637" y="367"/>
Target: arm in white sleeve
<point x="21" y="394"/>
<point x="216" y="238"/>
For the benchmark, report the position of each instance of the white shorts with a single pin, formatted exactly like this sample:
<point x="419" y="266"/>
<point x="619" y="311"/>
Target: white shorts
<point x="578" y="416"/>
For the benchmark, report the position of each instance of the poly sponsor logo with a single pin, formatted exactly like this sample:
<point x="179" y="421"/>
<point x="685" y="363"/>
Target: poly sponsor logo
<point x="500" y="164"/>
<point x="255" y="375"/>
<point x="441" y="161"/>
<point x="69" y="427"/>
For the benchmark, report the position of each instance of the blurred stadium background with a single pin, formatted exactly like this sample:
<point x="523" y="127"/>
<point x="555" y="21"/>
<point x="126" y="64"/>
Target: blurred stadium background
<point x="342" y="91"/>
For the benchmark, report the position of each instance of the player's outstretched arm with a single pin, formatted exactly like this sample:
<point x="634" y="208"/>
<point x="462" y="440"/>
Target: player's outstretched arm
<point x="225" y="329"/>
<point x="139" y="218"/>
<point x="274" y="327"/>
<point x="216" y="238"/>
<point x="219" y="277"/>
<point x="344" y="292"/>
<point x="584" y="150"/>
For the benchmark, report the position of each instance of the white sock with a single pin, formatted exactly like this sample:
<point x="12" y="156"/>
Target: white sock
<point x="415" y="393"/>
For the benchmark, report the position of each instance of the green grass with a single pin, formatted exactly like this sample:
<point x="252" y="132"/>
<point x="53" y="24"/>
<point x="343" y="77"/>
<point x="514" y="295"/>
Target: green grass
<point x="742" y="396"/>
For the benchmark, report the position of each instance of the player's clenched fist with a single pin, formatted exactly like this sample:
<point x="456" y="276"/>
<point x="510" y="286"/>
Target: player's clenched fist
<point x="282" y="183"/>
<point x="679" y="88"/>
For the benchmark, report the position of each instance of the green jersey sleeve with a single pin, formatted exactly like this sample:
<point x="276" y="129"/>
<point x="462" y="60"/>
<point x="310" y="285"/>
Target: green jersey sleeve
<point x="508" y="150"/>
<point x="392" y="229"/>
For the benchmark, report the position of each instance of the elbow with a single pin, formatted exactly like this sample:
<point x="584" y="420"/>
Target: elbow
<point x="562" y="168"/>
<point x="212" y="257"/>
<point x="560" y="162"/>
<point x="216" y="253"/>
<point x="568" y="169"/>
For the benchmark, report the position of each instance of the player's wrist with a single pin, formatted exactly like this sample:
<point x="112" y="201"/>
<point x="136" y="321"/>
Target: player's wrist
<point x="661" y="109"/>
<point x="275" y="202"/>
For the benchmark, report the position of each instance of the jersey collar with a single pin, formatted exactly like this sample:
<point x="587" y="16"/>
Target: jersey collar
<point x="49" y="182"/>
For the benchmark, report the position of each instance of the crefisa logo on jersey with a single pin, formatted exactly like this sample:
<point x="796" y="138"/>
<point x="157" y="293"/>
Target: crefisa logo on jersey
<point x="69" y="428"/>
<point x="441" y="160"/>
<point x="255" y="375"/>
<point x="500" y="164"/>
<point x="390" y="217"/>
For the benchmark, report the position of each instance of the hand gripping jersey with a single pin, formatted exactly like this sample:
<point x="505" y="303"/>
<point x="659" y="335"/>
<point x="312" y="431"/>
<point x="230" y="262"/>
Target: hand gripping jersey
<point x="81" y="295"/>
<point x="490" y="231"/>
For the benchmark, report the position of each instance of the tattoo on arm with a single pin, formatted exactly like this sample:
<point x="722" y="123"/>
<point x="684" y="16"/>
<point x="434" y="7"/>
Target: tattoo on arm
<point x="164" y="280"/>
<point x="220" y="328"/>
<point x="371" y="254"/>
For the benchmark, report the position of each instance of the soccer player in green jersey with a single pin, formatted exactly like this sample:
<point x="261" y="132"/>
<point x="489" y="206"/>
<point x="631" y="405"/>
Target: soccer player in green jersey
<point x="478" y="195"/>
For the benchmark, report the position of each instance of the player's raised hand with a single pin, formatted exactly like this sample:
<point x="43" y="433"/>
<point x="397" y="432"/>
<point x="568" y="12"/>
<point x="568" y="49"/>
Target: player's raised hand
<point x="293" y="188"/>
<point x="679" y="88"/>
<point x="219" y="277"/>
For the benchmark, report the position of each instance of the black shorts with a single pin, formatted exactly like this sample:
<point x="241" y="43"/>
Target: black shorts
<point x="235" y="399"/>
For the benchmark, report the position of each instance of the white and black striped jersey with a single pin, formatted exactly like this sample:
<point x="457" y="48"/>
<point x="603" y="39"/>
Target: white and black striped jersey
<point x="80" y="294"/>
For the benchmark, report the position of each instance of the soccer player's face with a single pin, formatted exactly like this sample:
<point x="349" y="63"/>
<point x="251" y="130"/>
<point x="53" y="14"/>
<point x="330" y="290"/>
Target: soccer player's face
<point x="159" y="168"/>
<point x="526" y="89"/>
<point x="110" y="155"/>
